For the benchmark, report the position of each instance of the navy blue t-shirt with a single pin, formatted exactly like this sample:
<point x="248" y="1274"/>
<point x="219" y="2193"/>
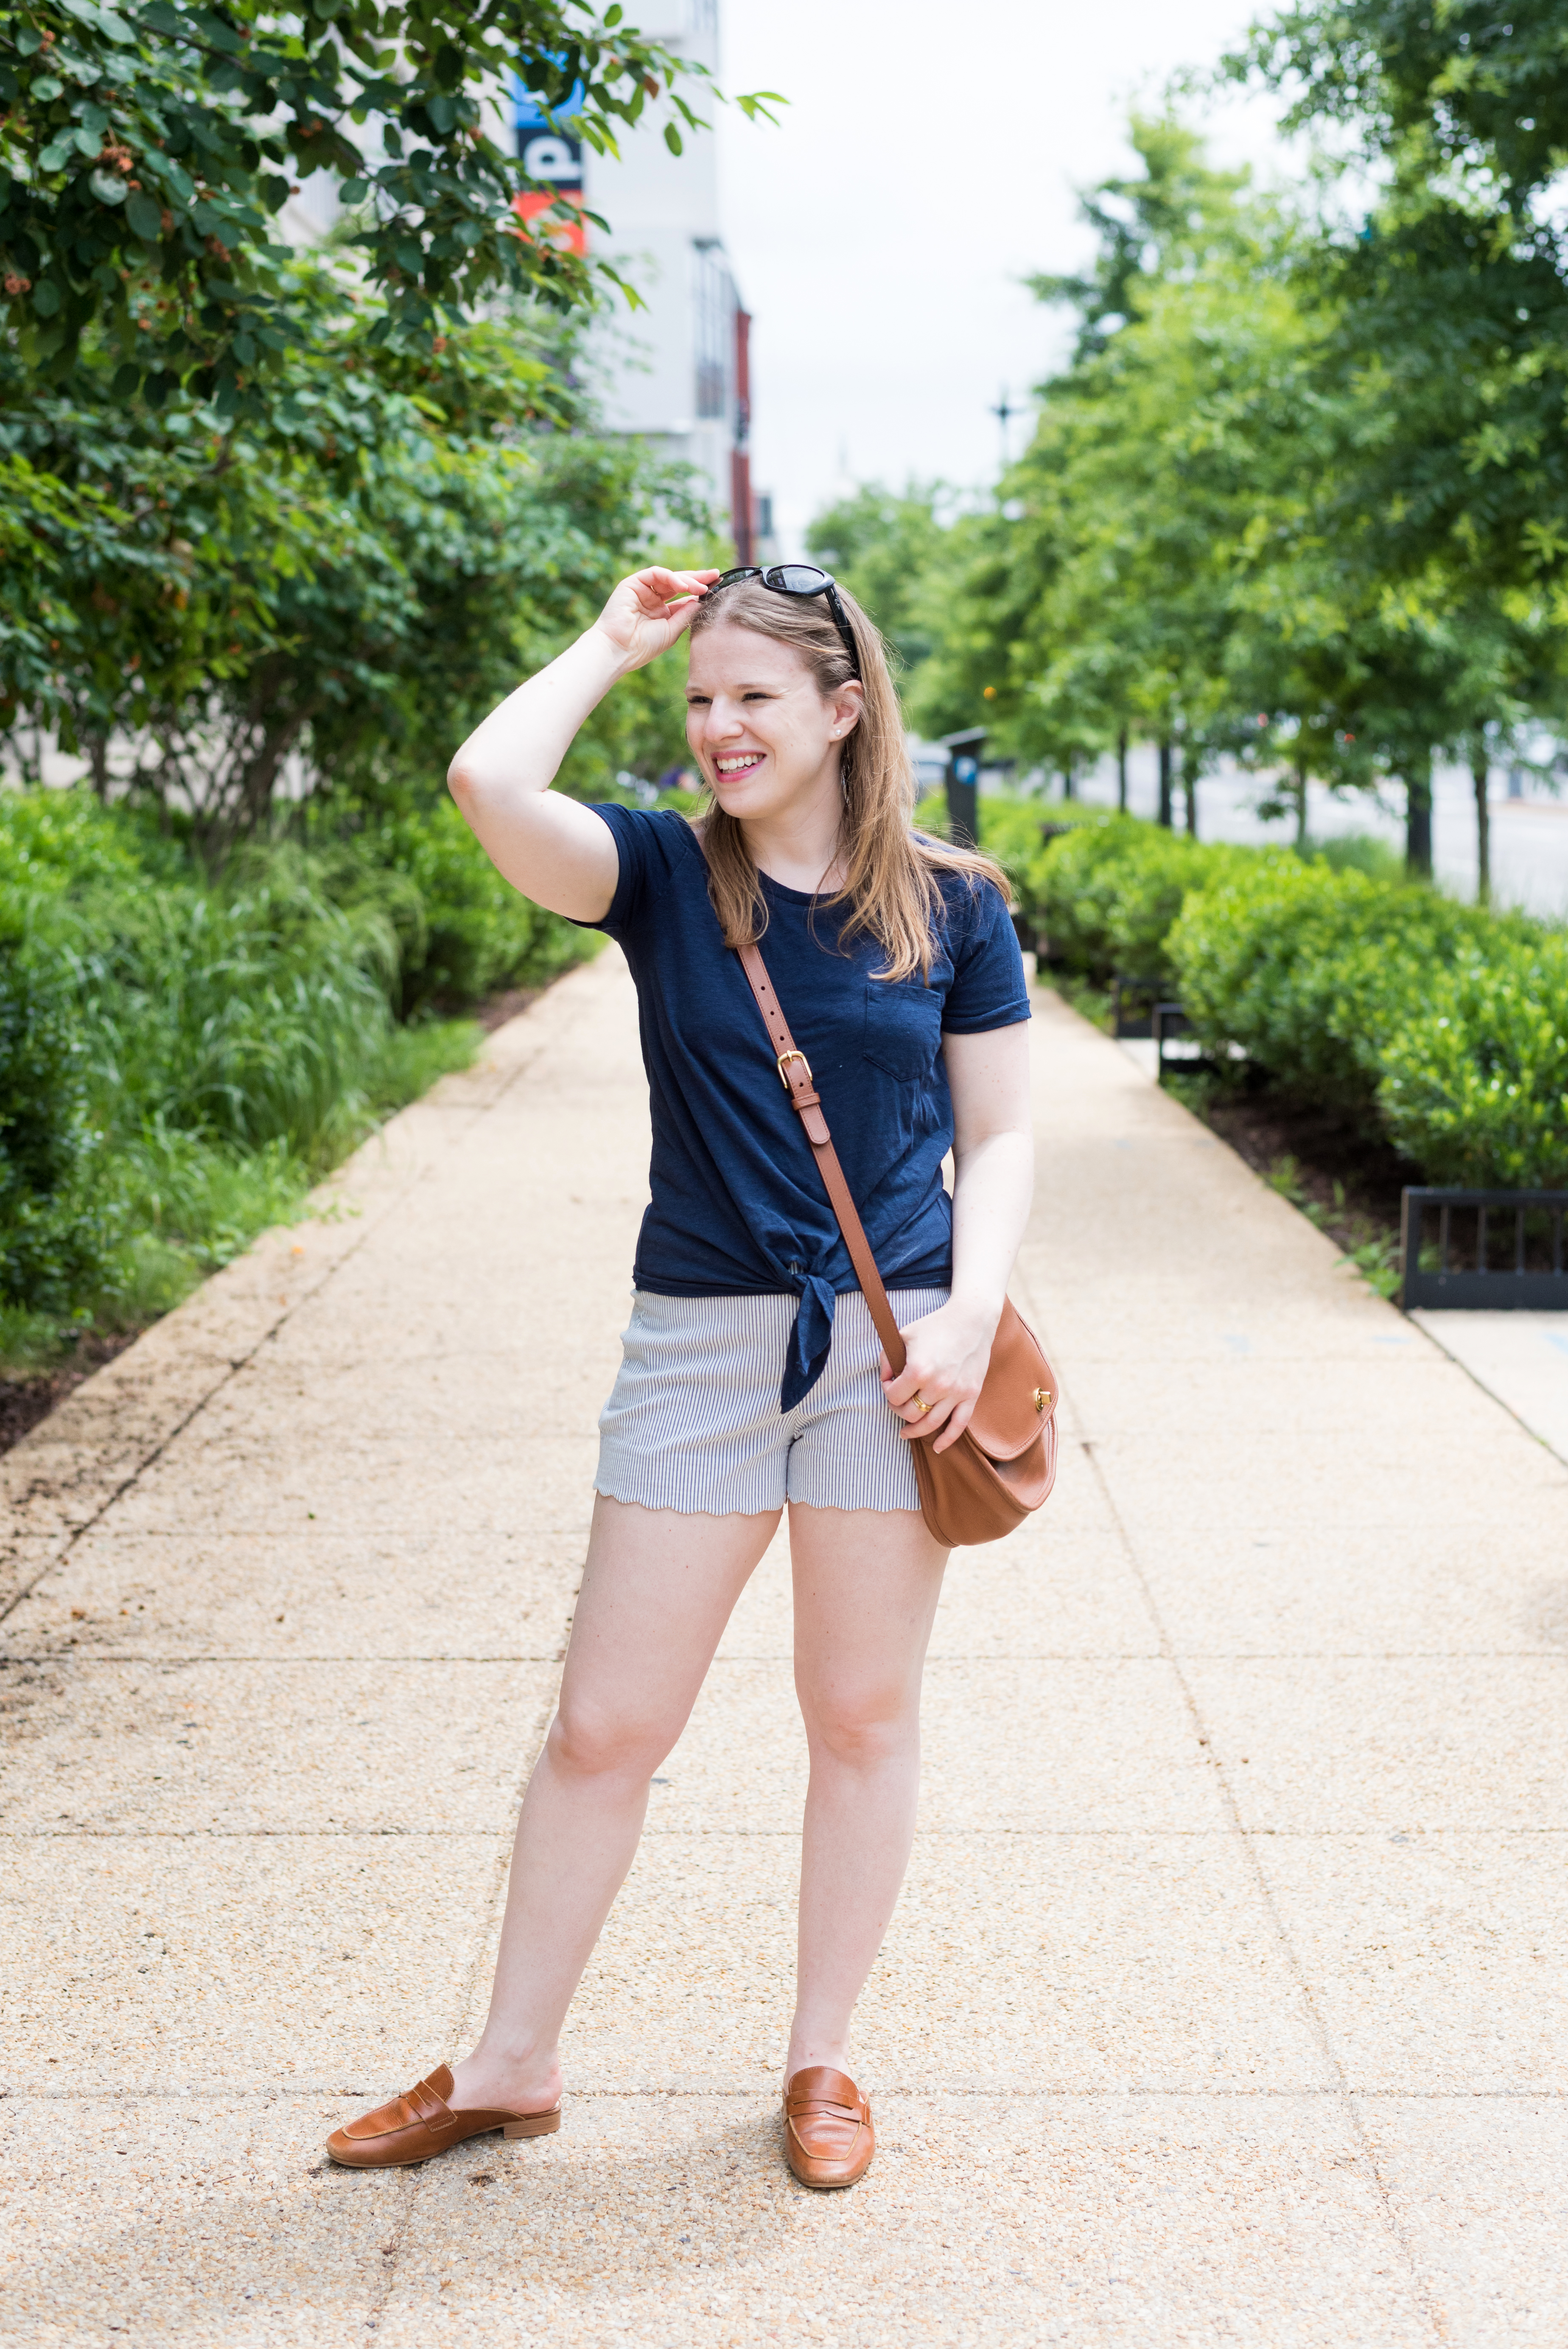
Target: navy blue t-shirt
<point x="738" y="1207"/>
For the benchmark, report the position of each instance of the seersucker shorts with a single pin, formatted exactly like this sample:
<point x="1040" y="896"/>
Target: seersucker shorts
<point x="693" y="1421"/>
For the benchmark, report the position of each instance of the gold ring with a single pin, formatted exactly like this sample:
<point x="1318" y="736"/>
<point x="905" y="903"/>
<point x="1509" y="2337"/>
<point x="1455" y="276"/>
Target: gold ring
<point x="921" y="1407"/>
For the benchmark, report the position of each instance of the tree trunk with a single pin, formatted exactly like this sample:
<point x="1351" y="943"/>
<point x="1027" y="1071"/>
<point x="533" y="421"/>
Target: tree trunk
<point x="1165" y="784"/>
<point x="1069" y="789"/>
<point x="1121" y="771"/>
<point x="1419" y="822"/>
<point x="1302" y="835"/>
<point x="1189" y="792"/>
<point x="97" y="759"/>
<point x="1480" y="772"/>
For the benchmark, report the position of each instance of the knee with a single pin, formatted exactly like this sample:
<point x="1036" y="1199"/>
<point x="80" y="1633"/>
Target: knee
<point x="863" y="1729"/>
<point x="587" y="1741"/>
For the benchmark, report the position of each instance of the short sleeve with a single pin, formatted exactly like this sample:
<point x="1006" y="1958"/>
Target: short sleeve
<point x="647" y="841"/>
<point x="989" y="988"/>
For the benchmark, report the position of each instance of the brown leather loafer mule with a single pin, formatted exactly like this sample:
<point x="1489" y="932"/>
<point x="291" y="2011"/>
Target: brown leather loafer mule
<point x="828" y="2134"/>
<point x="412" y="2127"/>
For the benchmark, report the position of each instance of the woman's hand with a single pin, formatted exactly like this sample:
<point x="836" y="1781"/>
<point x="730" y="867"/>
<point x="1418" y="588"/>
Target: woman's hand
<point x="649" y="611"/>
<point x="948" y="1353"/>
<point x="992" y="1151"/>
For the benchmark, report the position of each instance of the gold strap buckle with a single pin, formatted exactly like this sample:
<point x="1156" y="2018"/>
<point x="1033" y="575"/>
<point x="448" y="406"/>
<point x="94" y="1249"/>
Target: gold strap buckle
<point x="805" y="1063"/>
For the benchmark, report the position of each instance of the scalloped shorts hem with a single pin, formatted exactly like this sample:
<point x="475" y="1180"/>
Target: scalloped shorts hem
<point x="693" y="1421"/>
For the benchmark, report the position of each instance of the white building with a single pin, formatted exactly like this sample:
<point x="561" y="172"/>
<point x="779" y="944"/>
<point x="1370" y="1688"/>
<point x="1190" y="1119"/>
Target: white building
<point x="679" y="370"/>
<point x="676" y="371"/>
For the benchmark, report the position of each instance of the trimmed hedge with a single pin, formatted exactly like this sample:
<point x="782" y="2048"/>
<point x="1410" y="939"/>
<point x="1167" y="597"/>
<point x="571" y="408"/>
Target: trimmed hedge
<point x="1444" y="1024"/>
<point x="1310" y="971"/>
<point x="1474" y="1086"/>
<point x="1109" y="893"/>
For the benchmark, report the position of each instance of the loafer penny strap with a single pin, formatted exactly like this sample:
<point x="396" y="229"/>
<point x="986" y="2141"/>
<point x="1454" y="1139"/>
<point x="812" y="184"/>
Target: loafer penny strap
<point x="427" y="2107"/>
<point x="823" y="2094"/>
<point x="798" y="2107"/>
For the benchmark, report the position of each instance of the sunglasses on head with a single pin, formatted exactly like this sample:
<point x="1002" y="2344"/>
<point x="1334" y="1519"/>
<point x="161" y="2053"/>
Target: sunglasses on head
<point x="799" y="579"/>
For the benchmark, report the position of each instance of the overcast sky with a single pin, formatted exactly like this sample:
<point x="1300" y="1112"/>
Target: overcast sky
<point x="927" y="162"/>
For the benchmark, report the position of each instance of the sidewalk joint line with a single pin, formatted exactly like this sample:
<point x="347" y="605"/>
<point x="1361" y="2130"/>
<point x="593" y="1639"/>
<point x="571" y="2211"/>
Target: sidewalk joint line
<point x="73" y="1654"/>
<point x="1426" y="2301"/>
<point x="292" y="2091"/>
<point x="371" y="1225"/>
<point x="674" y="1834"/>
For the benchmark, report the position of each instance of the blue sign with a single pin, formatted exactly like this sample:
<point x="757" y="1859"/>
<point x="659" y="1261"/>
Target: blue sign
<point x="529" y="114"/>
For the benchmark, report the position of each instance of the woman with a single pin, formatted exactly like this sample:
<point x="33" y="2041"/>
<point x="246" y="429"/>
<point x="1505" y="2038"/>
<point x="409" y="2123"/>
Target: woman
<point x="751" y="1375"/>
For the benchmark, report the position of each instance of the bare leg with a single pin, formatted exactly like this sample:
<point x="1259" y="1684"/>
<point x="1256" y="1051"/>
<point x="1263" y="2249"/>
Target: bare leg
<point x="866" y="1586"/>
<point x="657" y="1592"/>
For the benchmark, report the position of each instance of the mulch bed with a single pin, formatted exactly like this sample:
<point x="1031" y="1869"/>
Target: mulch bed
<point x="25" y="1401"/>
<point x="1353" y="1179"/>
<point x="499" y="1008"/>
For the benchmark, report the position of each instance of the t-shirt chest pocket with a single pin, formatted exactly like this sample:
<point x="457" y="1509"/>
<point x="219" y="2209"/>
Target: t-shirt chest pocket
<point x="904" y="1026"/>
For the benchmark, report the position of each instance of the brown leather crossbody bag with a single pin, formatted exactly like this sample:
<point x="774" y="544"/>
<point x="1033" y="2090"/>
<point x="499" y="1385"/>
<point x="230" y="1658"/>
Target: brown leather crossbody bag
<point x="1005" y="1462"/>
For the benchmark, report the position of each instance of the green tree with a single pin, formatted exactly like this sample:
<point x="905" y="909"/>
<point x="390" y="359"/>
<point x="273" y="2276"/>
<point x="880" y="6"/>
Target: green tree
<point x="885" y="545"/>
<point x="1177" y="207"/>
<point x="254" y="506"/>
<point x="353" y="581"/>
<point x="145" y="149"/>
<point x="1106" y="607"/>
<point x="1233" y="534"/>
<point x="1450" y="304"/>
<point x="1452" y="295"/>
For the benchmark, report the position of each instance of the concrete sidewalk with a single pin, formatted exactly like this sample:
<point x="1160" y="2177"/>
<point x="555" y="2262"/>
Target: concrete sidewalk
<point x="1521" y="1357"/>
<point x="1225" y="2003"/>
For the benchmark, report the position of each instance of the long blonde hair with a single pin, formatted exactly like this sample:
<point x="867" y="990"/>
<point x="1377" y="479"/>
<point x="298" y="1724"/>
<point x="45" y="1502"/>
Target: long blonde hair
<point x="891" y="884"/>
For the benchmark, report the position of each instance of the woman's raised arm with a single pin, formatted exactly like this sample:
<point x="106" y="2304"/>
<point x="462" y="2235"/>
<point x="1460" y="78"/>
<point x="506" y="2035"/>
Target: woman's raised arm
<point x="548" y="847"/>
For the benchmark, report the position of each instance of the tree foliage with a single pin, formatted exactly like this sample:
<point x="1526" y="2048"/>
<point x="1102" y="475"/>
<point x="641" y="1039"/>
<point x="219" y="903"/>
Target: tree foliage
<point x="146" y="148"/>
<point x="269" y="517"/>
<point x="1295" y="496"/>
<point x="883" y="544"/>
<point x="355" y="579"/>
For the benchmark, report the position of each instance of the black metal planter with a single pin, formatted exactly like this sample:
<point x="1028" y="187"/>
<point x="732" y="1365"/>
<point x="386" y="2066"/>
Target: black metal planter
<point x="1170" y="1023"/>
<point x="1132" y="1002"/>
<point x="1496" y="1250"/>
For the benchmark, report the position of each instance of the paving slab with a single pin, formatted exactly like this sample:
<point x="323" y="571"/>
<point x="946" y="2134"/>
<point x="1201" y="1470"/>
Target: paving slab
<point x="1221" y="2004"/>
<point x="541" y="1481"/>
<point x="1009" y="1744"/>
<point x="307" y="1596"/>
<point x="1520" y="1358"/>
<point x="167" y="2217"/>
<point x="1434" y="1959"/>
<point x="1131" y="1962"/>
<point x="363" y="1748"/>
<point x="1475" y="2186"/>
<point x="203" y="1964"/>
<point x="1275" y="1587"/>
<point x="1390" y="1742"/>
<point x="1079" y="2220"/>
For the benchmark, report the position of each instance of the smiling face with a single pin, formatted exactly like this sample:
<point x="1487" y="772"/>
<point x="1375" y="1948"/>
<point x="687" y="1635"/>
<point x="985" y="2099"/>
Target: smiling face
<point x="766" y="740"/>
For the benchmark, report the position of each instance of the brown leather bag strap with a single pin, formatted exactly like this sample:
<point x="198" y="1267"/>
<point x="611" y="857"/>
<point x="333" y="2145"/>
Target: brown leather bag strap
<point x="796" y="1072"/>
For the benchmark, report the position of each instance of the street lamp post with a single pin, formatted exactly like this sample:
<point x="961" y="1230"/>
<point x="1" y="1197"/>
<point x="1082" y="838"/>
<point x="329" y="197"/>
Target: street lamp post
<point x="1004" y="413"/>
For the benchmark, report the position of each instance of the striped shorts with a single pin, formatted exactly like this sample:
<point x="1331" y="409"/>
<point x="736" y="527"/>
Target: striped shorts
<point x="693" y="1421"/>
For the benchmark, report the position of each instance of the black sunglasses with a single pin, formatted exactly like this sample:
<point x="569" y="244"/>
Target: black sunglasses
<point x="799" y="579"/>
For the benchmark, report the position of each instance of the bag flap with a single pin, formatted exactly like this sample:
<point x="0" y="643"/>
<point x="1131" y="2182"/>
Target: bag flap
<point x="1020" y="1395"/>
